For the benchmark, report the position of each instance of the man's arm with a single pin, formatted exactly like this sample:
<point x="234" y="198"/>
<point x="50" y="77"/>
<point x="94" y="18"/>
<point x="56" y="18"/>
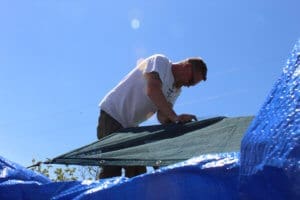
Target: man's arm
<point x="154" y="92"/>
<point x="162" y="118"/>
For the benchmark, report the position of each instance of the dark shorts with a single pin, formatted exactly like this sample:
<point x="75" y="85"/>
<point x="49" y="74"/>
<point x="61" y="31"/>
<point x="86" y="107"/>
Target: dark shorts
<point x="106" y="125"/>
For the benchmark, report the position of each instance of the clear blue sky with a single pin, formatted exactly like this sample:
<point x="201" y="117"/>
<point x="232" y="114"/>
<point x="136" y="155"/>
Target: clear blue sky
<point x="58" y="58"/>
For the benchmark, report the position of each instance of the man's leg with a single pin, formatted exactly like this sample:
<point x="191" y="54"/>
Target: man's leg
<point x="132" y="171"/>
<point x="106" y="126"/>
<point x="110" y="171"/>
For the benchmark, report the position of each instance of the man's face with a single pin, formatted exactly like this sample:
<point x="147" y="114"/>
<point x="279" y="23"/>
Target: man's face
<point x="193" y="77"/>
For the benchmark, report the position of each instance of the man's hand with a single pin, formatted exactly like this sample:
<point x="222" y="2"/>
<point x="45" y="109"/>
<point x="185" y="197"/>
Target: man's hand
<point x="183" y="118"/>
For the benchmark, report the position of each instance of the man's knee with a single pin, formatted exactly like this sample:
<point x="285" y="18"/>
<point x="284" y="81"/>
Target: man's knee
<point x="110" y="171"/>
<point x="132" y="171"/>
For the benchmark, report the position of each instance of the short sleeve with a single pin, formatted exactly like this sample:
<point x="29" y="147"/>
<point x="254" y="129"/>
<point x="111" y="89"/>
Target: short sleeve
<point x="157" y="63"/>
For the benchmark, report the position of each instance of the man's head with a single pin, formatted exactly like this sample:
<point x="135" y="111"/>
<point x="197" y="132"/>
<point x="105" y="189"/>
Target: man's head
<point x="198" y="65"/>
<point x="190" y="72"/>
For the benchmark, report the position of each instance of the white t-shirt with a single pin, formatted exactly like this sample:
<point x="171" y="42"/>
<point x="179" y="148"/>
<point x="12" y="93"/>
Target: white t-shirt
<point x="128" y="102"/>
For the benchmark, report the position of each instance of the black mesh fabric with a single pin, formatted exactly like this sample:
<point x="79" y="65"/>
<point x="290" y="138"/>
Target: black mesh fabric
<point x="161" y="145"/>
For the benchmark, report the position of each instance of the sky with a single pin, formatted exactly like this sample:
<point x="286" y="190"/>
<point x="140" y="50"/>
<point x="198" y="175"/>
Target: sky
<point x="58" y="59"/>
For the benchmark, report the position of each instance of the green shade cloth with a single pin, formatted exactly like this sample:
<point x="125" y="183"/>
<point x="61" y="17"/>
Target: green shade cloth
<point x="161" y="145"/>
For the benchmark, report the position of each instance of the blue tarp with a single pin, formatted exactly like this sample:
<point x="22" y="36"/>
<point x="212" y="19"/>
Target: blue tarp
<point x="267" y="167"/>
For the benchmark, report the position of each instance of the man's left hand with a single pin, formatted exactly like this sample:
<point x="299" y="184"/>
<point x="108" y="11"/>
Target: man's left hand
<point x="183" y="118"/>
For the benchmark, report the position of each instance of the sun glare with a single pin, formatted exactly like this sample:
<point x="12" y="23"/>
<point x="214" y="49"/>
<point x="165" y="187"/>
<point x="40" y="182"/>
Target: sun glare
<point x="135" y="23"/>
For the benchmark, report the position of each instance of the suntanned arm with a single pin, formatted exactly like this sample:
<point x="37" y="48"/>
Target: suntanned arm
<point x="154" y="92"/>
<point x="162" y="118"/>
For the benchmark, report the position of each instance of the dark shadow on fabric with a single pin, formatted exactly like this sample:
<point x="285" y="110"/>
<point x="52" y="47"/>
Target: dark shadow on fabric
<point x="160" y="132"/>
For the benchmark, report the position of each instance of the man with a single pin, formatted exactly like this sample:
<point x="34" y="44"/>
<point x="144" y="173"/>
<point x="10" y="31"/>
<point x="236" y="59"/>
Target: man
<point x="152" y="86"/>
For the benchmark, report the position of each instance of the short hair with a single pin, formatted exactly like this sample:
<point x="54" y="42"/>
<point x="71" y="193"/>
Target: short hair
<point x="198" y="65"/>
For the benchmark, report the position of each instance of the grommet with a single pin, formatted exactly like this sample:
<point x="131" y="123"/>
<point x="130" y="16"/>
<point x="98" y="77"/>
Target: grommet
<point x="102" y="161"/>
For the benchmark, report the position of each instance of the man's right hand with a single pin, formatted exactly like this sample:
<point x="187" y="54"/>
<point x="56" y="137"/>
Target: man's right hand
<point x="183" y="118"/>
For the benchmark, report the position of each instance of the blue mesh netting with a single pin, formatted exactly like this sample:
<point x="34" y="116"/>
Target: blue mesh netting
<point x="270" y="149"/>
